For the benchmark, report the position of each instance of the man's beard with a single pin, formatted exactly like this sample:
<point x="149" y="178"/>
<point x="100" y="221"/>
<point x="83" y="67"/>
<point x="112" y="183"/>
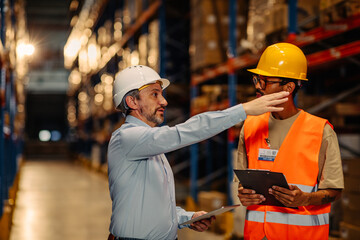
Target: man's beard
<point x="154" y="118"/>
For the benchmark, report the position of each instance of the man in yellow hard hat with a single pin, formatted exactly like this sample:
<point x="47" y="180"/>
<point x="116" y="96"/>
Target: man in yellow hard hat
<point x="301" y="146"/>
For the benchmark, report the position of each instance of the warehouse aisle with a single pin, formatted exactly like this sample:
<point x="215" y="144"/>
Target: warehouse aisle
<point x="60" y="200"/>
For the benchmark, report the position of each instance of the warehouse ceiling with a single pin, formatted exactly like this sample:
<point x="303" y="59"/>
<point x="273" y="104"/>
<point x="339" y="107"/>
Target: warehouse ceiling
<point x="48" y="28"/>
<point x="47" y="14"/>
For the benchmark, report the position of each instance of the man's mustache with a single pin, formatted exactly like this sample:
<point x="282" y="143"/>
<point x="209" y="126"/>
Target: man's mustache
<point x="157" y="109"/>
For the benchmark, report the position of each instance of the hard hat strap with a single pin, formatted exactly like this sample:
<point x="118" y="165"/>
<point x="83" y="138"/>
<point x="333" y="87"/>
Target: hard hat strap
<point x="146" y="85"/>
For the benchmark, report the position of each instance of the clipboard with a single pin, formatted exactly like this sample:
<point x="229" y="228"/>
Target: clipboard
<point x="261" y="181"/>
<point x="212" y="213"/>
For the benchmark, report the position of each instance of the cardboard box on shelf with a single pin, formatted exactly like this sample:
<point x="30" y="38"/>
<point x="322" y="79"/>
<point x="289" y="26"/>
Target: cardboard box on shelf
<point x="212" y="200"/>
<point x="209" y="201"/>
<point x="210" y="32"/>
<point x="276" y="19"/>
<point x="332" y="11"/>
<point x="350" y="200"/>
<point x="351" y="167"/>
<point x="351" y="217"/>
<point x="352" y="7"/>
<point x="352" y="184"/>
<point x="347" y="109"/>
<point x="200" y="102"/>
<point x="206" y="55"/>
<point x="349" y="231"/>
<point x="308" y="12"/>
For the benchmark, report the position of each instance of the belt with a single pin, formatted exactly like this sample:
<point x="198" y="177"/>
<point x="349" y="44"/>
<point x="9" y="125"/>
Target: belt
<point x="112" y="237"/>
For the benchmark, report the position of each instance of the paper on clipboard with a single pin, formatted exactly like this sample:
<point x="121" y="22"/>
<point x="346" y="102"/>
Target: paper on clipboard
<point x="212" y="213"/>
<point x="261" y="181"/>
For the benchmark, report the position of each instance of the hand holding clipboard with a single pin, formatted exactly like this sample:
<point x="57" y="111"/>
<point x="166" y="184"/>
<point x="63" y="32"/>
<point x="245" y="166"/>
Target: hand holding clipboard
<point x="260" y="181"/>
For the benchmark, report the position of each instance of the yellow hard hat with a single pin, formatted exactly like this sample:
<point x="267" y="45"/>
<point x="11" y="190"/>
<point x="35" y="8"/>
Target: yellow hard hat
<point x="282" y="60"/>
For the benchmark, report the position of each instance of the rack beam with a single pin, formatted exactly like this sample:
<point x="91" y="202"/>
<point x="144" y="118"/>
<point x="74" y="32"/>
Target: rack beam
<point x="329" y="30"/>
<point x="332" y="54"/>
<point x="301" y="40"/>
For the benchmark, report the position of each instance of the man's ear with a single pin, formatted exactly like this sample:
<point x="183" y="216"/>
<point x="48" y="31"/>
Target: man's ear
<point x="131" y="102"/>
<point x="289" y="87"/>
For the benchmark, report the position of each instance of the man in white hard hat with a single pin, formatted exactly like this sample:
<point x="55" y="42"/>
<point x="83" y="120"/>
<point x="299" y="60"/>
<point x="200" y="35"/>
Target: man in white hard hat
<point x="300" y="145"/>
<point x="140" y="178"/>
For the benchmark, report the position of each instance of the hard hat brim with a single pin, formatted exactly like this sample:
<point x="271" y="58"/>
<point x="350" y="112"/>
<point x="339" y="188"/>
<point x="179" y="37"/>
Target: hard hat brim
<point x="165" y="83"/>
<point x="267" y="74"/>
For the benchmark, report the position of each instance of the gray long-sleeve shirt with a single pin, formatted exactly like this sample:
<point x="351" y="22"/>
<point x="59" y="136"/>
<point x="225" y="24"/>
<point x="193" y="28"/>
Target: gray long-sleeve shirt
<point x="141" y="181"/>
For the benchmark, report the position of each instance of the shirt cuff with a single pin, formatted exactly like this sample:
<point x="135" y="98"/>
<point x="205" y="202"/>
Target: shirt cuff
<point x="186" y="216"/>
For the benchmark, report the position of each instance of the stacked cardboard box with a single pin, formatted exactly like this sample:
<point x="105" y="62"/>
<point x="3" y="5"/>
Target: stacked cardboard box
<point x="346" y="114"/>
<point x="209" y="201"/>
<point x="209" y="29"/>
<point x="350" y="227"/>
<point x="308" y="12"/>
<point x="335" y="10"/>
<point x="266" y="18"/>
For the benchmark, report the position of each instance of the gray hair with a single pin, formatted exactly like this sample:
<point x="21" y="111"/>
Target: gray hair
<point x="123" y="107"/>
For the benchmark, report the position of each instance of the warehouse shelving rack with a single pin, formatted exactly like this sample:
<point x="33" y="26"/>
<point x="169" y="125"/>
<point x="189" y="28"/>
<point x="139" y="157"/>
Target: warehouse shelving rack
<point x="130" y="32"/>
<point x="301" y="40"/>
<point x="8" y="164"/>
<point x="235" y="63"/>
<point x="11" y="96"/>
<point x="106" y="63"/>
<point x="151" y="10"/>
<point x="2" y="109"/>
<point x="228" y="68"/>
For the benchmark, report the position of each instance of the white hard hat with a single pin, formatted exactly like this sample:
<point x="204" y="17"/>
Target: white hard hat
<point x="132" y="78"/>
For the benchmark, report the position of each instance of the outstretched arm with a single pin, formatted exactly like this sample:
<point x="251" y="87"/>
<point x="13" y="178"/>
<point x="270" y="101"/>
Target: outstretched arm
<point x="142" y="141"/>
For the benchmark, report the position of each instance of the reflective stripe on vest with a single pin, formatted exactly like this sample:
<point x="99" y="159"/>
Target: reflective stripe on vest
<point x="290" y="219"/>
<point x="305" y="188"/>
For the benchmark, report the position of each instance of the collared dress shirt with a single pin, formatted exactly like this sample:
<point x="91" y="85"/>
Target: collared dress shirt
<point x="141" y="181"/>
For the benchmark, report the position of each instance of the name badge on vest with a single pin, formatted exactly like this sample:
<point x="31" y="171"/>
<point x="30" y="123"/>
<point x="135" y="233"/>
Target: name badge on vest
<point x="267" y="154"/>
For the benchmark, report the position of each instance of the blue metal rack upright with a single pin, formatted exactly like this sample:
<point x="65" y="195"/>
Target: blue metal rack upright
<point x="9" y="141"/>
<point x="194" y="158"/>
<point x="2" y="152"/>
<point x="194" y="149"/>
<point x="2" y="108"/>
<point x="231" y="91"/>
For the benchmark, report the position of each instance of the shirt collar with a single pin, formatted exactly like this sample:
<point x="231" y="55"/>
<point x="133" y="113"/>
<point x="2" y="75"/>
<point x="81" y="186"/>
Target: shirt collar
<point x="134" y="120"/>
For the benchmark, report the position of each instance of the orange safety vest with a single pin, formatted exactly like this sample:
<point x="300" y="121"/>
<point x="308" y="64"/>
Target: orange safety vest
<point x="297" y="158"/>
